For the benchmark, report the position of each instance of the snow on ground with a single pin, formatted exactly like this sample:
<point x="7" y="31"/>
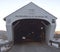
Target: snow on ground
<point x="54" y="44"/>
<point x="3" y="45"/>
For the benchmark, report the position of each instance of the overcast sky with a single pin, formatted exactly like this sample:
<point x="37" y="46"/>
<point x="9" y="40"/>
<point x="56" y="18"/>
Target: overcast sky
<point x="9" y="6"/>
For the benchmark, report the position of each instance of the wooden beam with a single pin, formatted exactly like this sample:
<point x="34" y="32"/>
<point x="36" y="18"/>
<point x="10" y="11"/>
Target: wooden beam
<point x="16" y="24"/>
<point x="43" y="23"/>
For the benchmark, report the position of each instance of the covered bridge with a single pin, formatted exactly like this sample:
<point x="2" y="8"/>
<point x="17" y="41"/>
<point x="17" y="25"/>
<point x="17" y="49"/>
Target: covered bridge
<point x="30" y="23"/>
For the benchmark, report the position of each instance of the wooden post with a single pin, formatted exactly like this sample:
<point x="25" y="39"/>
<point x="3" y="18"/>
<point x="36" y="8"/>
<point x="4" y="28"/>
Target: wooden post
<point x="0" y="48"/>
<point x="50" y="42"/>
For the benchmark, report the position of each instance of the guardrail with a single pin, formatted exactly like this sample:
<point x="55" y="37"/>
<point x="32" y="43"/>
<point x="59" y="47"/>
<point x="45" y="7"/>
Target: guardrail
<point x="51" y="41"/>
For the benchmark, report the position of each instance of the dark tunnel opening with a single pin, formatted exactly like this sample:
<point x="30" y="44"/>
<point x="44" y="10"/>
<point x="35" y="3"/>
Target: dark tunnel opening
<point x="26" y="30"/>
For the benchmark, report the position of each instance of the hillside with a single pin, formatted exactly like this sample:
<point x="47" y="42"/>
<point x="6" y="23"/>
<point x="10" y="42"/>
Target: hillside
<point x="57" y="34"/>
<point x="3" y="34"/>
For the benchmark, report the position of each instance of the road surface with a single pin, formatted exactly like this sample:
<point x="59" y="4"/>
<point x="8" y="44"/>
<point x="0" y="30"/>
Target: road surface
<point x="33" y="47"/>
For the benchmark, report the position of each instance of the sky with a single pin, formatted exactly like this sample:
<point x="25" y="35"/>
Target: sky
<point x="9" y="6"/>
